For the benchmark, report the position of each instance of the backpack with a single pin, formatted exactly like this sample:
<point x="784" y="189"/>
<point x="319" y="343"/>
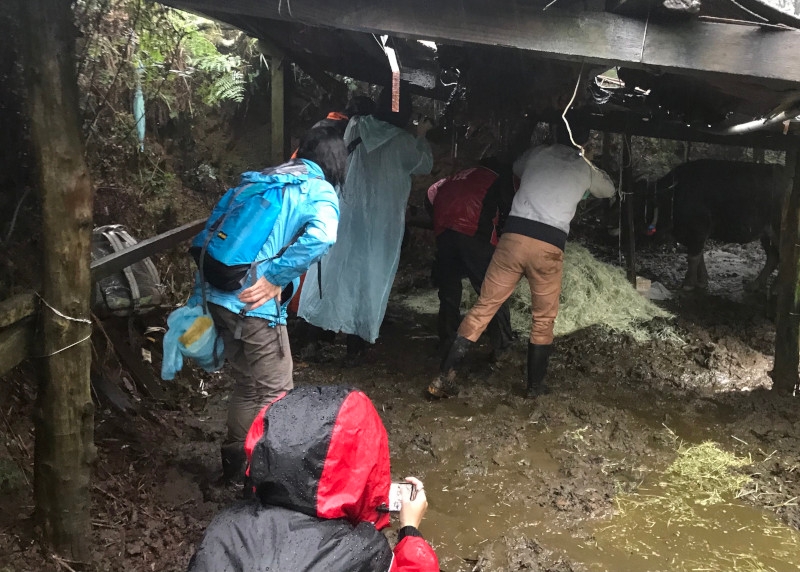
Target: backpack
<point x="226" y="250"/>
<point x="135" y="289"/>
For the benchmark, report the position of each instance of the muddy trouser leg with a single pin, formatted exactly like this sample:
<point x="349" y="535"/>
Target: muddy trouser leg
<point x="502" y="276"/>
<point x="448" y="274"/>
<point x="544" y="270"/>
<point x="476" y="255"/>
<point x="262" y="363"/>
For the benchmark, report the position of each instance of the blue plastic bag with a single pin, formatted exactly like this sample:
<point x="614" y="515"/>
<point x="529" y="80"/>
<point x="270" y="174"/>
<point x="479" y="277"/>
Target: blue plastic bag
<point x="191" y="333"/>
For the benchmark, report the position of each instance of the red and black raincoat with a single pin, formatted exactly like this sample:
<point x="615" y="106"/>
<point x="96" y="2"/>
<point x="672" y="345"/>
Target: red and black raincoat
<point x="473" y="202"/>
<point x="319" y="463"/>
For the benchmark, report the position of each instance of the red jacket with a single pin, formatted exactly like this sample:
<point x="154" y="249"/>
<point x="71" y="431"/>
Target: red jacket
<point x="319" y="464"/>
<point x="471" y="202"/>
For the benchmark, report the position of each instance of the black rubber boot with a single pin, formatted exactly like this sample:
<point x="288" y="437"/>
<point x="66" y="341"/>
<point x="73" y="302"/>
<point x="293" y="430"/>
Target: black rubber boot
<point x="538" y="357"/>
<point x="444" y="384"/>
<point x="234" y="463"/>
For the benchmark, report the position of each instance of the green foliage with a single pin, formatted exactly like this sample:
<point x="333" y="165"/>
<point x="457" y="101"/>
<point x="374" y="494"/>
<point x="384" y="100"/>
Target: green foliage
<point x="181" y="61"/>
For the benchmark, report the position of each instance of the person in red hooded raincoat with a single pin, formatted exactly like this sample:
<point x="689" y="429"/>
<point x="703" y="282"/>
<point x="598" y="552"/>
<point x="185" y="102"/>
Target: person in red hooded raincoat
<point x="319" y="467"/>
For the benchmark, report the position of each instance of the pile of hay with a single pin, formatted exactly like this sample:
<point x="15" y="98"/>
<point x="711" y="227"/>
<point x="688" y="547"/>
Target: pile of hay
<point x="592" y="293"/>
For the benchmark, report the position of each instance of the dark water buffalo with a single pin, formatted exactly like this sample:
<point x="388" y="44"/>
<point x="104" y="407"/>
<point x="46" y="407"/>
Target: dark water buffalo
<point x="729" y="201"/>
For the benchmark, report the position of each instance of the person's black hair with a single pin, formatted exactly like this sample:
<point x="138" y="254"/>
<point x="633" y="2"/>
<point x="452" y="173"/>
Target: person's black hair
<point x="325" y="147"/>
<point x="360" y="105"/>
<point x="384" y="111"/>
<point x="580" y="131"/>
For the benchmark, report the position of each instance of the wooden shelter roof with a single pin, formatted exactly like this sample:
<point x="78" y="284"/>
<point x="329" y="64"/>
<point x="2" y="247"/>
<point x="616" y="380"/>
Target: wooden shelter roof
<point x="691" y="68"/>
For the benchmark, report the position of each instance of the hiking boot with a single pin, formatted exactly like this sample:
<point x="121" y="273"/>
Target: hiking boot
<point x="444" y="385"/>
<point x="538" y="358"/>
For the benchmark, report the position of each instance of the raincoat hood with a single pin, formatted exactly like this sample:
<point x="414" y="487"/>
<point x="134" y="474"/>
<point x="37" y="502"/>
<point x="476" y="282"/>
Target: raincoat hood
<point x="322" y="451"/>
<point x="374" y="132"/>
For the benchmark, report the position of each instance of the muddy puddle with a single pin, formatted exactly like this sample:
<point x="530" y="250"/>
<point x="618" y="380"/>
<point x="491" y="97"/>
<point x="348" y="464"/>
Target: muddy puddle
<point x="491" y="483"/>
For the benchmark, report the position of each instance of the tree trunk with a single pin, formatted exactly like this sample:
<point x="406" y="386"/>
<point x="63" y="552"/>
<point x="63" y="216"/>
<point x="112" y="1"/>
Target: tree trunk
<point x="64" y="417"/>
<point x="787" y="324"/>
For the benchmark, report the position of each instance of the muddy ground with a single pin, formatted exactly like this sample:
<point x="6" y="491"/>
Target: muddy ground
<point x="513" y="484"/>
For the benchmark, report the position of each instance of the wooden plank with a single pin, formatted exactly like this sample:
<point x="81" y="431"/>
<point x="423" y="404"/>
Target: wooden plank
<point x="142" y="376"/>
<point x="15" y="344"/>
<point x="787" y="324"/>
<point x="112" y="263"/>
<point x="16" y="308"/>
<point x="595" y="37"/>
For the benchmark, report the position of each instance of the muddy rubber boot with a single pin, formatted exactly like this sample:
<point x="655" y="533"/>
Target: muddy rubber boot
<point x="234" y="462"/>
<point x="444" y="384"/>
<point x="538" y="358"/>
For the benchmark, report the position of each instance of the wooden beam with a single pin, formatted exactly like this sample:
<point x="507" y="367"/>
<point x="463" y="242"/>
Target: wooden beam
<point x="337" y="89"/>
<point x="15" y="344"/>
<point x="627" y="193"/>
<point x="593" y="37"/>
<point x="787" y="324"/>
<point x="16" y="308"/>
<point x="112" y="263"/>
<point x="617" y="122"/>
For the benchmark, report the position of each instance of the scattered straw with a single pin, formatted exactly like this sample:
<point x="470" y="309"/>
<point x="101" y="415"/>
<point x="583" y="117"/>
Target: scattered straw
<point x="688" y="521"/>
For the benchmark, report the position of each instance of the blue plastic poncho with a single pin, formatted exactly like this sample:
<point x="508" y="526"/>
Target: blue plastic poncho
<point x="358" y="272"/>
<point x="190" y="333"/>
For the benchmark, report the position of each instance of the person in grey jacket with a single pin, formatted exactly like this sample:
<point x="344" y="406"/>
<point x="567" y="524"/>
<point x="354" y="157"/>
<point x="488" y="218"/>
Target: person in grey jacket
<point x="555" y="178"/>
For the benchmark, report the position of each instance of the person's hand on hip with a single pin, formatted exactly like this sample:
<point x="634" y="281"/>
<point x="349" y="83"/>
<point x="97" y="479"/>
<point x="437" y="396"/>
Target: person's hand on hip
<point x="259" y="293"/>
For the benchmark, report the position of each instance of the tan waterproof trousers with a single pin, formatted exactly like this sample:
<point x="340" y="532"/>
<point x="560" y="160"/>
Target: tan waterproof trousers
<point x="516" y="256"/>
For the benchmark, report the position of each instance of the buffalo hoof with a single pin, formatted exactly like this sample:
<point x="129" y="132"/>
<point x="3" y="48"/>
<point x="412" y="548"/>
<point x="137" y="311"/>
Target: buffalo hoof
<point x="753" y="286"/>
<point x="694" y="287"/>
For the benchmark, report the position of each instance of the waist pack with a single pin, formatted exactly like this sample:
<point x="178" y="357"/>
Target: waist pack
<point x="226" y="250"/>
<point x="135" y="289"/>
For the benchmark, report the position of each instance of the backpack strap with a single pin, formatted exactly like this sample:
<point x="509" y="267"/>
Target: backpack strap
<point x="353" y="144"/>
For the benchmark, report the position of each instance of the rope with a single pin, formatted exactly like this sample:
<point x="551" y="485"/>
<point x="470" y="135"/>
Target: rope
<point x="64" y="348"/>
<point x="61" y="314"/>
<point x="288" y="6"/>
<point x="71" y="319"/>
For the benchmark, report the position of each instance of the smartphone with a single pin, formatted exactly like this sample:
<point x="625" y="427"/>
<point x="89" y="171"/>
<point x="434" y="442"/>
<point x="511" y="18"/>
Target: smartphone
<point x="395" y="495"/>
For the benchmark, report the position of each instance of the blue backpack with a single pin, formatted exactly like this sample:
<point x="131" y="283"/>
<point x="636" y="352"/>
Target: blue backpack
<point x="226" y="250"/>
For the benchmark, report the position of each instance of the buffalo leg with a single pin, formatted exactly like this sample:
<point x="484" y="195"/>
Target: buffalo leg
<point x="760" y="283"/>
<point x="702" y="273"/>
<point x="690" y="281"/>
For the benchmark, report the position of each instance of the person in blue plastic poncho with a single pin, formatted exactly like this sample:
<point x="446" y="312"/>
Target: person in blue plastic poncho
<point x="358" y="272"/>
<point x="252" y="320"/>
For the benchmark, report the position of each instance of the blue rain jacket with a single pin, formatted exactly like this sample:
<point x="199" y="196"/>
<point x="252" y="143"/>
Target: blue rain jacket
<point x="312" y="204"/>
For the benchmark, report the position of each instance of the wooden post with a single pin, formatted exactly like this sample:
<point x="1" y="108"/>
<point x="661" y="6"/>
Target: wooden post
<point x="277" y="82"/>
<point x="787" y="323"/>
<point x="627" y="193"/>
<point x="64" y="414"/>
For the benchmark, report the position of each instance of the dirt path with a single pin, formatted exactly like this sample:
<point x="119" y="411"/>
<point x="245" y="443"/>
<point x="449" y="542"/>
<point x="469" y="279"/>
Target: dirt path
<point x="513" y="484"/>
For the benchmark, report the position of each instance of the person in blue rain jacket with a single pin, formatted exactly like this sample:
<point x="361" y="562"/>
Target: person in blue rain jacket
<point x="252" y="320"/>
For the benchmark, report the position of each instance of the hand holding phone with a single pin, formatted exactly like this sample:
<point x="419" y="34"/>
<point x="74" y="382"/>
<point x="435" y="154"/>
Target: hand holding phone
<point x="413" y="506"/>
<point x="396" y="495"/>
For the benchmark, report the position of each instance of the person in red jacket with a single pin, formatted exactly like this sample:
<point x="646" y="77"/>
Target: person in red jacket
<point x="468" y="210"/>
<point x="319" y="470"/>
